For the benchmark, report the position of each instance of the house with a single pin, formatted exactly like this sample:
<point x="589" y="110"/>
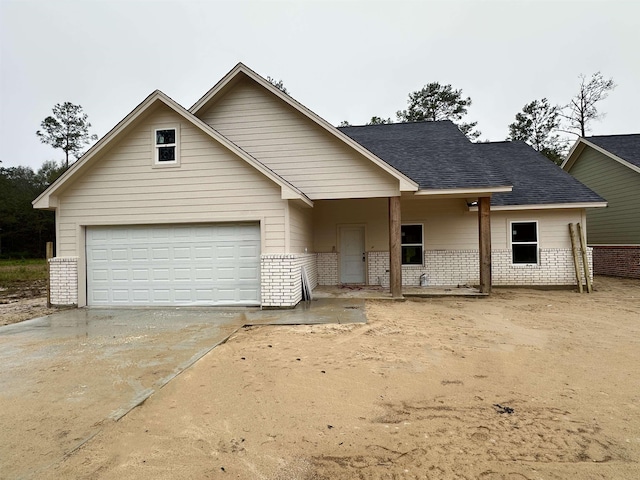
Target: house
<point x="226" y="202"/>
<point x="610" y="165"/>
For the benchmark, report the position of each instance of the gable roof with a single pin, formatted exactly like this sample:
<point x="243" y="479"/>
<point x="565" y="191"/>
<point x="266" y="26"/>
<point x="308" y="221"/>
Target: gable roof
<point x="437" y="155"/>
<point x="536" y="179"/>
<point x="241" y="71"/>
<point x="624" y="149"/>
<point x="288" y="191"/>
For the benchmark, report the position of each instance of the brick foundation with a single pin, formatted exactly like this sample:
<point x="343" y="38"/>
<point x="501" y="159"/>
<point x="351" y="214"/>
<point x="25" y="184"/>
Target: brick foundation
<point x="64" y="280"/>
<point x="281" y="282"/>
<point x="618" y="261"/>
<point x="461" y="267"/>
<point x="327" y="268"/>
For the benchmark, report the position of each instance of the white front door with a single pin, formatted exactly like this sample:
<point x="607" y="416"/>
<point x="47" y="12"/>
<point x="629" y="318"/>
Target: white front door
<point x="352" y="255"/>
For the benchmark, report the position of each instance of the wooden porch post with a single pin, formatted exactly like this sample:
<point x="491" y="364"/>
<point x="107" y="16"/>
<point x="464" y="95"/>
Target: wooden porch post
<point x="484" y="234"/>
<point x="395" y="248"/>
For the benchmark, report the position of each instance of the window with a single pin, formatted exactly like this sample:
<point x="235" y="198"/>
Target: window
<point x="165" y="142"/>
<point x="412" y="245"/>
<point x="524" y="242"/>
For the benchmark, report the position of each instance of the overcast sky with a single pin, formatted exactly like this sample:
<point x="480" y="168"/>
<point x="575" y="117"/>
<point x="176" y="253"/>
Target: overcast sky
<point x="345" y="60"/>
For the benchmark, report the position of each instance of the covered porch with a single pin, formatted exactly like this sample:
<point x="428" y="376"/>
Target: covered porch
<point x="404" y="245"/>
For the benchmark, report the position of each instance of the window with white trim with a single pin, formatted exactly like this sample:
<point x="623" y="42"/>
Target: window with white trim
<point x="166" y="145"/>
<point x="524" y="243"/>
<point x="412" y="244"/>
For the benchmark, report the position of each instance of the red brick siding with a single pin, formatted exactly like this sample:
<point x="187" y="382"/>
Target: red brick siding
<point x="617" y="261"/>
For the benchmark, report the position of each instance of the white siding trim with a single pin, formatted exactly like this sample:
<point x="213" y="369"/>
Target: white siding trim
<point x="463" y="191"/>
<point x="545" y="206"/>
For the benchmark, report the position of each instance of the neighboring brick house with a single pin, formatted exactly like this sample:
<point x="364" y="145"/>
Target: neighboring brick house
<point x="225" y="203"/>
<point x="610" y="165"/>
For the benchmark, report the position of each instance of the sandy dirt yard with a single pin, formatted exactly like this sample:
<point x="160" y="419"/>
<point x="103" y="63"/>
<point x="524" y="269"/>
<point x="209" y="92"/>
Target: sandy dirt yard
<point x="526" y="384"/>
<point x="25" y="303"/>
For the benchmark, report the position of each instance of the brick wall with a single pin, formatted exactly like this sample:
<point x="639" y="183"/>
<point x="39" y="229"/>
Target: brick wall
<point x="555" y="268"/>
<point x="461" y="267"/>
<point x="327" y="268"/>
<point x="378" y="268"/>
<point x="64" y="280"/>
<point x="617" y="261"/>
<point x="281" y="281"/>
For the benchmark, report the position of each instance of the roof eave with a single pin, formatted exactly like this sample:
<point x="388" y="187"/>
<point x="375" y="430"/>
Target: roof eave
<point x="42" y="201"/>
<point x="575" y="153"/>
<point x="463" y="192"/>
<point x="545" y="206"/>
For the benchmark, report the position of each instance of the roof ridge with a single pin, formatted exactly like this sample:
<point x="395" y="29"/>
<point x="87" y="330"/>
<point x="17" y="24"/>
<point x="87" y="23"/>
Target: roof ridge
<point x="397" y="123"/>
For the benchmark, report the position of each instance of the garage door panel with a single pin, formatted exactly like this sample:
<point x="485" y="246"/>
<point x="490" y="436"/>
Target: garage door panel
<point x="160" y="274"/>
<point x="249" y="273"/>
<point x="182" y="253"/>
<point x="99" y="255"/>
<point x="174" y="265"/>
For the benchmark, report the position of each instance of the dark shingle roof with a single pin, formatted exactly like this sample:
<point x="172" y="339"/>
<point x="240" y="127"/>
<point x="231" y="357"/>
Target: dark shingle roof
<point x="536" y="180"/>
<point x="626" y="147"/>
<point x="436" y="155"/>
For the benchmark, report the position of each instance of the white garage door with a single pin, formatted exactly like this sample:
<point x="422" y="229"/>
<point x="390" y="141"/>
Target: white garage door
<point x="174" y="265"/>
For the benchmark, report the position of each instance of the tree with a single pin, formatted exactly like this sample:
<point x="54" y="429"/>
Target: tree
<point x="279" y="84"/>
<point x="536" y="125"/>
<point x="439" y="102"/>
<point x="582" y="110"/>
<point x="378" y="121"/>
<point x="49" y="173"/>
<point x="24" y="229"/>
<point x="344" y="123"/>
<point x="67" y="129"/>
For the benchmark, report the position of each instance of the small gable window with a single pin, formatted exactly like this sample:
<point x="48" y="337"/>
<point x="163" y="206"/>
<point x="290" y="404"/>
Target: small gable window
<point x="412" y="244"/>
<point x="524" y="242"/>
<point x="166" y="146"/>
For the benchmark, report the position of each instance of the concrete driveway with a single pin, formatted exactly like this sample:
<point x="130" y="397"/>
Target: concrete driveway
<point x="63" y="376"/>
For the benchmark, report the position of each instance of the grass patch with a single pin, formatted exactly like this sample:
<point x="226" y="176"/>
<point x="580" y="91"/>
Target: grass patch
<point x="15" y="272"/>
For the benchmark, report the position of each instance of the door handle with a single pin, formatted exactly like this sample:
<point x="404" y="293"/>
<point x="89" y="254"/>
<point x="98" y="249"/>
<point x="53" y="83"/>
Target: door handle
<point x="363" y="255"/>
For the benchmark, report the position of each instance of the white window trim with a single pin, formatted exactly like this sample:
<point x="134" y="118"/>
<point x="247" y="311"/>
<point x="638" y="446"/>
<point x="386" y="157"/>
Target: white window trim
<point x="156" y="147"/>
<point x="413" y="244"/>
<point x="537" y="242"/>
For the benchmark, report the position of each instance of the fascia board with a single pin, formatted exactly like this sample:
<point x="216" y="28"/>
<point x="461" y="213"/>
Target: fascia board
<point x="441" y="192"/>
<point x="575" y="150"/>
<point x="545" y="206"/>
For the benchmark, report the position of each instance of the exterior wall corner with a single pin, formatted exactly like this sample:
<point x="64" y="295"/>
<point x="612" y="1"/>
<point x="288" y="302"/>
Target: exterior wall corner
<point x="63" y="280"/>
<point x="281" y="278"/>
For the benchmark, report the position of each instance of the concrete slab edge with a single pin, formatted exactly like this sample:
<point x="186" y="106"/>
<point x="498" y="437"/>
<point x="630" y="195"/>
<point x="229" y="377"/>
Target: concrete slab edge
<point x="142" y="397"/>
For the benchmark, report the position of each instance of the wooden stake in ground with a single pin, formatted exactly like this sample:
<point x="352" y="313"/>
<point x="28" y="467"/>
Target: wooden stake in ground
<point x="585" y="259"/>
<point x="574" y="250"/>
<point x="49" y="255"/>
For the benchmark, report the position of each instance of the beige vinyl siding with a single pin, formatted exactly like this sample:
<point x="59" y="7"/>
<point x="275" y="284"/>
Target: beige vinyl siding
<point x="372" y="213"/>
<point x="553" y="226"/>
<point x="448" y="225"/>
<point x="295" y="147"/>
<point x="210" y="185"/>
<point x="301" y="228"/>
<point x="619" y="223"/>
